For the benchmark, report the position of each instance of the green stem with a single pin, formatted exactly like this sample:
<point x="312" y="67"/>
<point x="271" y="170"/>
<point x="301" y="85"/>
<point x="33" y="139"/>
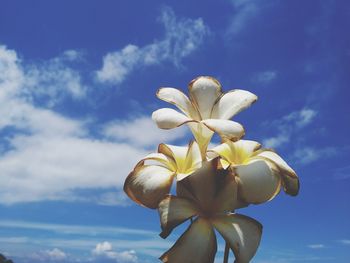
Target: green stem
<point x="226" y="253"/>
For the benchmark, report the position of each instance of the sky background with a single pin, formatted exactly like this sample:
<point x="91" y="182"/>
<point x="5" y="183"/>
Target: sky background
<point x="77" y="89"/>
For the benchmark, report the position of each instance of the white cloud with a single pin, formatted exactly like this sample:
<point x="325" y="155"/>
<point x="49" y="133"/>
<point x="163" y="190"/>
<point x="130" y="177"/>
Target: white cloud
<point x="316" y="246"/>
<point x="49" y="80"/>
<point x="54" y="255"/>
<point x="275" y="142"/>
<point x="54" y="79"/>
<point x="302" y="117"/>
<point x="48" y="156"/>
<point x="105" y="250"/>
<point x="265" y="77"/>
<point x="182" y="37"/>
<point x="150" y="135"/>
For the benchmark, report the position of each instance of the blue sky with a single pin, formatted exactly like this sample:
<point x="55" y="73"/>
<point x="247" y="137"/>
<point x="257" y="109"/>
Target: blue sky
<point x="77" y="88"/>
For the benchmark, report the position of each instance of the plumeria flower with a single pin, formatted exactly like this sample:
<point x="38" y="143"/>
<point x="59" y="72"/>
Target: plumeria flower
<point x="259" y="172"/>
<point x="207" y="110"/>
<point x="153" y="176"/>
<point x="207" y="196"/>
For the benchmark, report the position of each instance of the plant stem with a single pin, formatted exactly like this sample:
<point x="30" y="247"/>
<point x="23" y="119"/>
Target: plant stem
<point x="226" y="253"/>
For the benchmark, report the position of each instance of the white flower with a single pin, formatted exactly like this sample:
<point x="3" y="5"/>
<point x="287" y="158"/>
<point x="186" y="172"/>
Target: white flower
<point x="207" y="110"/>
<point x="152" y="177"/>
<point x="259" y="172"/>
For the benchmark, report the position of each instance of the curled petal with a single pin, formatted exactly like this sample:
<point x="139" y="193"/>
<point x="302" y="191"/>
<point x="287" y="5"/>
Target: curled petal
<point x="167" y="118"/>
<point x="147" y="185"/>
<point x="196" y="245"/>
<point x="179" y="99"/>
<point x="290" y="179"/>
<point x="177" y="153"/>
<point x="242" y="233"/>
<point x="232" y="103"/>
<point x="160" y="159"/>
<point x="258" y="181"/>
<point x="173" y="211"/>
<point x="225" y="128"/>
<point x="204" y="91"/>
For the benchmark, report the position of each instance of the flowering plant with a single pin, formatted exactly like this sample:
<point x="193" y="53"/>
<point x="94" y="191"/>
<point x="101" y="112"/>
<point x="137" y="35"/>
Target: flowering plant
<point x="210" y="183"/>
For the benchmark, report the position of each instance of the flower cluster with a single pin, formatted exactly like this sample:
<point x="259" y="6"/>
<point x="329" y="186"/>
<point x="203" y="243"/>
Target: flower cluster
<point x="210" y="183"/>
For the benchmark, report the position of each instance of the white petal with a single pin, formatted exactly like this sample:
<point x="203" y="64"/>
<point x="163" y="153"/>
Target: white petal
<point x="167" y="118"/>
<point x="173" y="211"/>
<point x="204" y="91"/>
<point x="232" y="103"/>
<point x="242" y="233"/>
<point x="147" y="185"/>
<point x="289" y="177"/>
<point x="179" y="99"/>
<point x="225" y="128"/>
<point x="196" y="245"/>
<point x="258" y="182"/>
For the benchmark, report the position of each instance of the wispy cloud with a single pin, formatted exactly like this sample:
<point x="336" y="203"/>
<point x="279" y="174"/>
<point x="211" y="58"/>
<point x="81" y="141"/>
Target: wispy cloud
<point x="289" y="124"/>
<point x="345" y="242"/>
<point x="306" y="155"/>
<point x="316" y="246"/>
<point x="342" y="173"/>
<point x="244" y="11"/>
<point x="54" y="79"/>
<point x="265" y="77"/>
<point x="182" y="37"/>
<point x="74" y="229"/>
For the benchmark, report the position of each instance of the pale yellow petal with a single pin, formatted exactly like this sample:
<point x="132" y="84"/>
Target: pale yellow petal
<point x="196" y="245"/>
<point x="225" y="150"/>
<point x="204" y="91"/>
<point x="258" y="182"/>
<point x="236" y="152"/>
<point x="147" y="185"/>
<point x="225" y="128"/>
<point x="173" y="211"/>
<point x="179" y="99"/>
<point x="242" y="233"/>
<point x="202" y="135"/>
<point x="193" y="159"/>
<point x="290" y="179"/>
<point x="167" y="118"/>
<point x="160" y="159"/>
<point x="232" y="103"/>
<point x="177" y="153"/>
